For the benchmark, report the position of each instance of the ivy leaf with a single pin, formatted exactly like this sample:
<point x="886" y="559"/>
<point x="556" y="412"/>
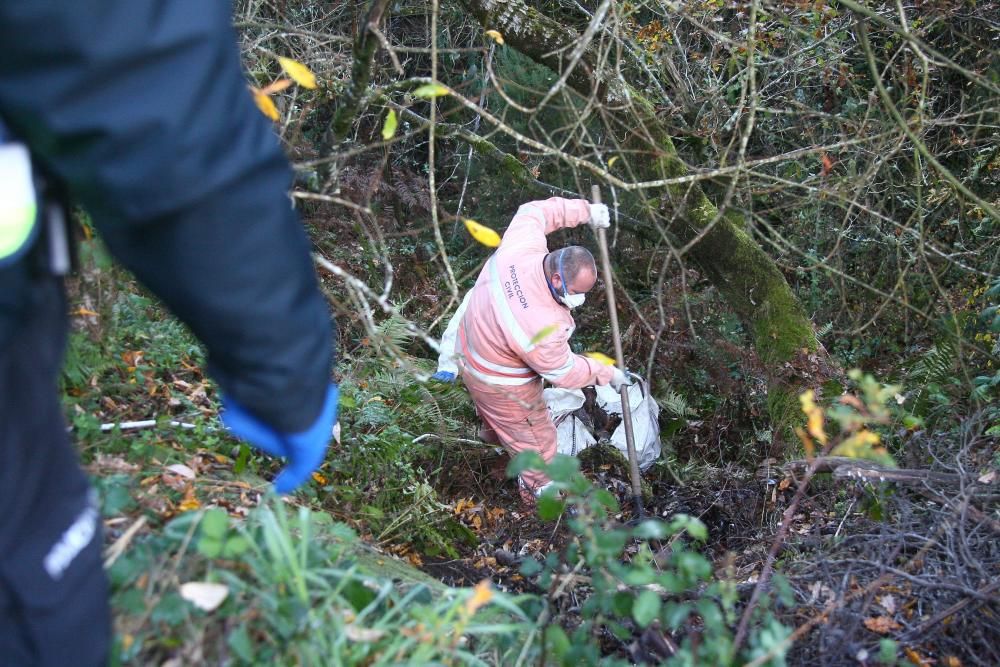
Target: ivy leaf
<point x="482" y="233"/>
<point x="429" y="91"/>
<point x="298" y="72"/>
<point x="390" y="125"/>
<point x="265" y="104"/>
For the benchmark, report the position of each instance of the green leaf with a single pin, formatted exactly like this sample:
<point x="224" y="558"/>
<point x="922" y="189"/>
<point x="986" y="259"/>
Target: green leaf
<point x="650" y="530"/>
<point x="235" y="546"/>
<point x="214" y="523"/>
<point x="646" y="608"/>
<point x="639" y="576"/>
<point x="172" y="610"/>
<point x="621" y="603"/>
<point x="676" y="613"/>
<point x="530" y="567"/>
<point x="116" y="495"/>
<point x="389" y="125"/>
<point x="607" y="499"/>
<point x="549" y="507"/>
<point x="239" y="641"/>
<point x="210" y="547"/>
<point x="525" y="461"/>
<point x="132" y="601"/>
<point x="887" y="650"/>
<point x="556" y="642"/>
<point x="429" y="91"/>
<point x="610" y="542"/>
<point x="694" y="565"/>
<point x="696" y="529"/>
<point x="563" y="467"/>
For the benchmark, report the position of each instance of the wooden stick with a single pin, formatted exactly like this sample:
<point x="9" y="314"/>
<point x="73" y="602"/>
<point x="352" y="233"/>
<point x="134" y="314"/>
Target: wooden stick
<point x="633" y="459"/>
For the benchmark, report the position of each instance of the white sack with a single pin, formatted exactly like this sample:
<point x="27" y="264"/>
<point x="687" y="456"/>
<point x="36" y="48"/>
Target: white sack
<point x="645" y="425"/>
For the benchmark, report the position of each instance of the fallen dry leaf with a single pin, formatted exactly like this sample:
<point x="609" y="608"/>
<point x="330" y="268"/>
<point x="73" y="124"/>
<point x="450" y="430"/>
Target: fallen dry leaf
<point x="205" y="595"/>
<point x="190" y="502"/>
<point x="916" y="658"/>
<point x="883" y="625"/>
<point x="182" y="470"/>
<point x="888" y="603"/>
<point x="481" y="594"/>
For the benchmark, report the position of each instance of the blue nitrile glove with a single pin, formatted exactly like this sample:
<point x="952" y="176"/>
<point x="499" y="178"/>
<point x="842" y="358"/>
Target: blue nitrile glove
<point x="303" y="450"/>
<point x="444" y="376"/>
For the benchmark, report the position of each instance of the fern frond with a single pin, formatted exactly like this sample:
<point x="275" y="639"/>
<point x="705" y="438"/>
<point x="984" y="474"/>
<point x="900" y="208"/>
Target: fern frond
<point x="936" y="364"/>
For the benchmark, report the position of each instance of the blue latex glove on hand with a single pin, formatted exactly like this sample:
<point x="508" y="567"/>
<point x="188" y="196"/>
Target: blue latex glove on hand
<point x="303" y="450"/>
<point x="444" y="376"/>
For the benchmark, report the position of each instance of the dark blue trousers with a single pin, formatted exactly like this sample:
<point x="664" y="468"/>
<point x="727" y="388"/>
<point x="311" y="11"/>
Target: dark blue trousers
<point x="53" y="591"/>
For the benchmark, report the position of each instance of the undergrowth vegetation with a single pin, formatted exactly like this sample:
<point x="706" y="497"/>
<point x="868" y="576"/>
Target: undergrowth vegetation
<point x="834" y="507"/>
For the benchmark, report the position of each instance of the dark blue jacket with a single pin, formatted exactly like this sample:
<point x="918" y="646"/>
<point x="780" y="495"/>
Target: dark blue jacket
<point x="139" y="109"/>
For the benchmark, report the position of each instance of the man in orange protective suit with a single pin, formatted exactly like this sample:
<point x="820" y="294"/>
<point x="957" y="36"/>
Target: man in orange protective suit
<point x="516" y="328"/>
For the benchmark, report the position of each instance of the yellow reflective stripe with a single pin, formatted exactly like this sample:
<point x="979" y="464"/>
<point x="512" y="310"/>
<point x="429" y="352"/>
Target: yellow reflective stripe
<point x="18" y="206"/>
<point x="506" y="314"/>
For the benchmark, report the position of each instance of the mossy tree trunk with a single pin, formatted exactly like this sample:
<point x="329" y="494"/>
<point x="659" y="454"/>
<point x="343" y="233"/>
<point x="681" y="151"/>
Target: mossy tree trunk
<point x="748" y="279"/>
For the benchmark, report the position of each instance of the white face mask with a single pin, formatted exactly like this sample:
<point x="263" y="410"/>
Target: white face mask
<point x="573" y="300"/>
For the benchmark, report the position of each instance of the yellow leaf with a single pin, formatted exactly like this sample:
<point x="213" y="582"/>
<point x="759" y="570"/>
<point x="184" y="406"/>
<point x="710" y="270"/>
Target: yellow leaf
<point x="189" y="502"/>
<point x="543" y="333"/>
<point x="482" y="233"/>
<point x="389" y="126"/>
<point x="481" y="595"/>
<point x="430" y="91"/>
<point x="612" y="161"/>
<point x="807" y="442"/>
<point x="814" y="416"/>
<point x="495" y="36"/>
<point x="265" y="104"/>
<point x="859" y="445"/>
<point x="299" y="73"/>
<point x="600" y="358"/>
<point x="318" y="478"/>
<point x="276" y="86"/>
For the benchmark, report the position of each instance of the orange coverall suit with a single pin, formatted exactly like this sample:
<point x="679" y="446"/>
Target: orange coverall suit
<point x="514" y="334"/>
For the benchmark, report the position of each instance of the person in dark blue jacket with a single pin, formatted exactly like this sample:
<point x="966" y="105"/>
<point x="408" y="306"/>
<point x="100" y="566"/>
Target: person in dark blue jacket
<point x="138" y="110"/>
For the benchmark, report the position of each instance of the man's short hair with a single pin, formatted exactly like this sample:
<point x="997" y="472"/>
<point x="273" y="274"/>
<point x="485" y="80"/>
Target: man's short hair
<point x="575" y="260"/>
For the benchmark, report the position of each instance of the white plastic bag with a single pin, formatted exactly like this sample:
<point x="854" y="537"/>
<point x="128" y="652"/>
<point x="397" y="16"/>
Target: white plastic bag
<point x="574" y="435"/>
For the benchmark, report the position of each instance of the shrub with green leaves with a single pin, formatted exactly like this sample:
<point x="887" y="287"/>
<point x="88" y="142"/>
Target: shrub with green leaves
<point x="663" y="581"/>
